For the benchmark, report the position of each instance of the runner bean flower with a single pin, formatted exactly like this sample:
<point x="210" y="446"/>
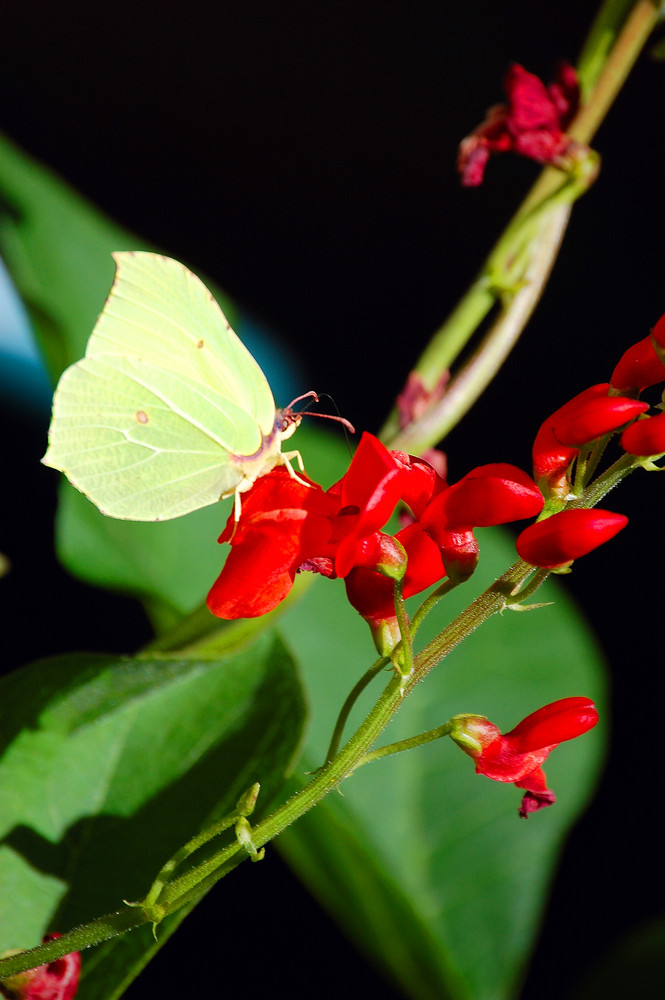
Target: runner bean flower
<point x="287" y="526"/>
<point x="518" y="755"/>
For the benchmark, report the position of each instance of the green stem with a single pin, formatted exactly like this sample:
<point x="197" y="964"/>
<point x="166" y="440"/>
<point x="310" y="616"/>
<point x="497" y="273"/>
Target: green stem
<point x="630" y="41"/>
<point x="430" y="602"/>
<point x="403" y="660"/>
<point x="450" y="339"/>
<point x="410" y="744"/>
<point x="353" y="696"/>
<point x="102" y="929"/>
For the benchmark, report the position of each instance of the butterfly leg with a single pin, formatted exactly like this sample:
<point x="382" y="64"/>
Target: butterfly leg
<point x="286" y="459"/>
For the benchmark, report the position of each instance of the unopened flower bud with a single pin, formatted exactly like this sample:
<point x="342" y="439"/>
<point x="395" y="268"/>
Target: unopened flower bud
<point x="646" y="437"/>
<point x="567" y="535"/>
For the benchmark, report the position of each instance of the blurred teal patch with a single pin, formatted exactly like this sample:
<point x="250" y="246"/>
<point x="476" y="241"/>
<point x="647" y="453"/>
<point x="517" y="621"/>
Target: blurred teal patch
<point x="23" y="377"/>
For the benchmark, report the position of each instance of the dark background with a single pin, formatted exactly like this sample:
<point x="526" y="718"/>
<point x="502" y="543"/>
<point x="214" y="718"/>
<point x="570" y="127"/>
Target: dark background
<point x="304" y="157"/>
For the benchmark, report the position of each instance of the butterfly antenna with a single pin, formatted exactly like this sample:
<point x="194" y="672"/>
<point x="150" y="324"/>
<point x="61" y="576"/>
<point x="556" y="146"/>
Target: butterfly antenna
<point x="315" y="398"/>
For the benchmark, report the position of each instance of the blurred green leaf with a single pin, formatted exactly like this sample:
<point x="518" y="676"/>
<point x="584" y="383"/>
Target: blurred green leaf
<point x="111" y="764"/>
<point x="423" y="863"/>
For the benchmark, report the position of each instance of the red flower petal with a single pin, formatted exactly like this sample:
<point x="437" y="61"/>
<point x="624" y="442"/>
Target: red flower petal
<point x="283" y="524"/>
<point x="488" y="495"/>
<point x="554" y="723"/>
<point x="369" y="493"/>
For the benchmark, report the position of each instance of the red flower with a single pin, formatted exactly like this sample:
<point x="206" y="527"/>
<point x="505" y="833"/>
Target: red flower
<point x="642" y="364"/>
<point x="286" y="526"/>
<point x="283" y="525"/>
<point x="56" y="981"/>
<point x="518" y="755"/>
<point x="533" y="123"/>
<point x="645" y="437"/>
<point x="581" y="420"/>
<point x="567" y="535"/>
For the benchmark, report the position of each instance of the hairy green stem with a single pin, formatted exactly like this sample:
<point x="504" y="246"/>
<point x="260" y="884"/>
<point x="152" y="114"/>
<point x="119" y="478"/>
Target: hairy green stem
<point x="352" y="698"/>
<point x="409" y="744"/>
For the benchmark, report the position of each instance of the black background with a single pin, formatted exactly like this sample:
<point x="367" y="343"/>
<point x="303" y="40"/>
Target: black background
<point x="304" y="157"/>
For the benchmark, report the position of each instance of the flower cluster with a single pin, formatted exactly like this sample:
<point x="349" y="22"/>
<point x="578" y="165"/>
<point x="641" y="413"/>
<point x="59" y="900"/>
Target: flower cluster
<point x="289" y="524"/>
<point x="58" y="980"/>
<point x="518" y="756"/>
<point x="533" y="123"/>
<point x="575" y="430"/>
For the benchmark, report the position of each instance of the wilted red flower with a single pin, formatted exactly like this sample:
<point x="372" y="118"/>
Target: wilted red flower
<point x="642" y="364"/>
<point x="533" y="123"/>
<point x="645" y="437"/>
<point x="56" y="981"/>
<point x="579" y="421"/>
<point x="518" y="755"/>
<point x="565" y="536"/>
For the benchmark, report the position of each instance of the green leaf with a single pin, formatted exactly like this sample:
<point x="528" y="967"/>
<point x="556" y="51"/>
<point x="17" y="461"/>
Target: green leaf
<point x="111" y="764"/>
<point x="423" y="863"/>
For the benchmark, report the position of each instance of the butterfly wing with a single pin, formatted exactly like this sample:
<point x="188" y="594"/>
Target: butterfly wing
<point x="159" y="311"/>
<point x="150" y="423"/>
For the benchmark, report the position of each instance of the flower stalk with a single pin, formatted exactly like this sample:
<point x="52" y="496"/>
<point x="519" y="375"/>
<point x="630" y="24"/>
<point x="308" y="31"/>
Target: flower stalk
<point x="547" y="207"/>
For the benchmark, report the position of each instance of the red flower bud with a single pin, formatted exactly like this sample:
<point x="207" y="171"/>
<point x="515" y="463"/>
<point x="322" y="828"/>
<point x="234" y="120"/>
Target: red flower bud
<point x="593" y="418"/>
<point x="639" y="366"/>
<point x="518" y="755"/>
<point x="372" y="594"/>
<point x="567" y="535"/>
<point x="551" y="457"/>
<point x="56" y="981"/>
<point x="645" y="437"/>
<point x="585" y="417"/>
